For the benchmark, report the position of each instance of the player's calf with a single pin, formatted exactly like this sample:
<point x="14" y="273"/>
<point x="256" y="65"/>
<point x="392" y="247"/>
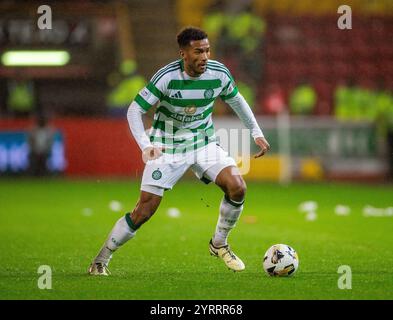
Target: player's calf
<point x="145" y="208"/>
<point x="236" y="191"/>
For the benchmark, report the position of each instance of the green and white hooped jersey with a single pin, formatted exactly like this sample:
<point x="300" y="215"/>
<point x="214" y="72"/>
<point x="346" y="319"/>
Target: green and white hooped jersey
<point x="183" y="119"/>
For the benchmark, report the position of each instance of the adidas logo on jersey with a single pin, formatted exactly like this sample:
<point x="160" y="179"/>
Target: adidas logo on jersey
<point x="177" y="95"/>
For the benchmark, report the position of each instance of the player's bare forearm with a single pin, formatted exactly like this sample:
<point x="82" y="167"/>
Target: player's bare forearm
<point x="264" y="146"/>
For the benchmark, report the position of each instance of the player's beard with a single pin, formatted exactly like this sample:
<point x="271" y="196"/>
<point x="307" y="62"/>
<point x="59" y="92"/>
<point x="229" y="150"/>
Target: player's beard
<point x="199" y="69"/>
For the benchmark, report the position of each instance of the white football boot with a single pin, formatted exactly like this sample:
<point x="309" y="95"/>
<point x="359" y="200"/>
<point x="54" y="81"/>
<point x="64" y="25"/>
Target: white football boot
<point x="98" y="269"/>
<point x="230" y="259"/>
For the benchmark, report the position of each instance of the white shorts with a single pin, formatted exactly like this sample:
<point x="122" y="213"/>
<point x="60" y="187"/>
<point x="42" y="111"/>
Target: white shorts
<point x="206" y="163"/>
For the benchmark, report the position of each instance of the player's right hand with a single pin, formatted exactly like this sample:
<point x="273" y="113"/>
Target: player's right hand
<point x="152" y="153"/>
<point x="264" y="146"/>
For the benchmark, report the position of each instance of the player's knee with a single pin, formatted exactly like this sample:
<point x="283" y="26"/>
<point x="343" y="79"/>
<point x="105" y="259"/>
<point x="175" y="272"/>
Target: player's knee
<point x="237" y="191"/>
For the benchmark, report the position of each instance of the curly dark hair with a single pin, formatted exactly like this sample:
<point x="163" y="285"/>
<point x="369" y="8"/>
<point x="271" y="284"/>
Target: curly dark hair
<point x="189" y="34"/>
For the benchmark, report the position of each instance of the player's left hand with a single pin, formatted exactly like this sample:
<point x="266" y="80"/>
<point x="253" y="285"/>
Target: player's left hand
<point x="263" y="144"/>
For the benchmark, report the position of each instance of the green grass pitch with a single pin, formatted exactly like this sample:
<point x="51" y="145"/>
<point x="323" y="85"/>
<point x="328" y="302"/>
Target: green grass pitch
<point x="47" y="223"/>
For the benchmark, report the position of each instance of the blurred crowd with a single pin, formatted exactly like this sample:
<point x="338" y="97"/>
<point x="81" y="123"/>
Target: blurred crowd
<point x="285" y="56"/>
<point x="265" y="54"/>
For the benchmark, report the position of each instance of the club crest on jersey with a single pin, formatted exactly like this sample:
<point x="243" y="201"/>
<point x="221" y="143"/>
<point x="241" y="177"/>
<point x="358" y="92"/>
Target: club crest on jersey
<point x="157" y="174"/>
<point x="190" y="109"/>
<point x="208" y="94"/>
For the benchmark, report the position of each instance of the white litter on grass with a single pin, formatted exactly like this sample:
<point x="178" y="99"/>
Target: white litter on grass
<point x="370" y="211"/>
<point x="115" y="205"/>
<point x="173" y="212"/>
<point x="308" y="206"/>
<point x="342" y="210"/>
<point x="311" y="216"/>
<point x="87" y="212"/>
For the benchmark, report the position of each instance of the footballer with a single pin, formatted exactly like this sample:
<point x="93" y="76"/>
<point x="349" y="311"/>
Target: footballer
<point x="181" y="137"/>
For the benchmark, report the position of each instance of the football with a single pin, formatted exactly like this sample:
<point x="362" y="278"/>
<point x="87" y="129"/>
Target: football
<point x="280" y="260"/>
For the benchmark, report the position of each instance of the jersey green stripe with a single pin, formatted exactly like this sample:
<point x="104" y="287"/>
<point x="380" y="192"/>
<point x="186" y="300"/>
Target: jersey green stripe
<point x="154" y="90"/>
<point x="166" y="72"/>
<point x="166" y="140"/>
<point x="172" y="64"/>
<point x="142" y="102"/>
<point x="188" y="102"/>
<point x="181" y="143"/>
<point x="226" y="87"/>
<point x="184" y="117"/>
<point x="194" y="84"/>
<point x="231" y="95"/>
<point x="201" y="134"/>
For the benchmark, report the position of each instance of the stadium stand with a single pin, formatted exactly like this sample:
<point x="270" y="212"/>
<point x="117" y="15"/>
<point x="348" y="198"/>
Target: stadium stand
<point x="313" y="47"/>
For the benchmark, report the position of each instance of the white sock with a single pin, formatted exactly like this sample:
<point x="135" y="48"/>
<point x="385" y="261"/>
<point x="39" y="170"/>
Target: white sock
<point x="229" y="215"/>
<point x="119" y="235"/>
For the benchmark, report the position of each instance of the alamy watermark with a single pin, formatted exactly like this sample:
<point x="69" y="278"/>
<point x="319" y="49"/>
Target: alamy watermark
<point x="345" y="280"/>
<point x="45" y="278"/>
<point x="45" y="20"/>
<point x="344" y="21"/>
<point x="191" y="145"/>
